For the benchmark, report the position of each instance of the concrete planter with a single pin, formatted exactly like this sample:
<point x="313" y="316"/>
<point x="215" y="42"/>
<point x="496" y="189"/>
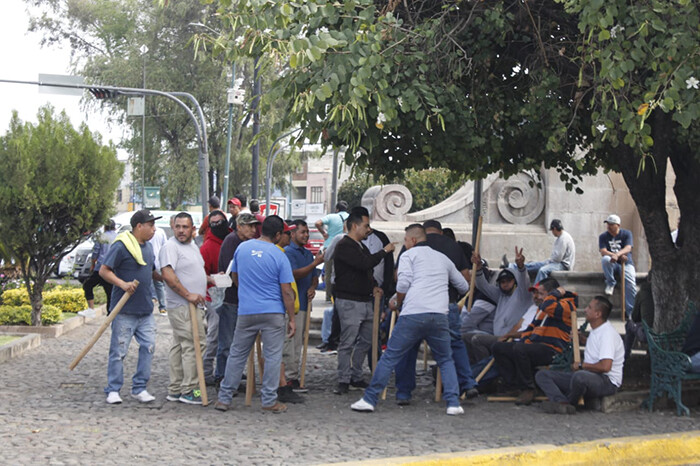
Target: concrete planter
<point x="18" y="347"/>
<point x="51" y="331"/>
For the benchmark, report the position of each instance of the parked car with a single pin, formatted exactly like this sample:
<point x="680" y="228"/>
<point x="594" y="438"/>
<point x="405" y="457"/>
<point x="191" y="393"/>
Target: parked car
<point x="315" y="241"/>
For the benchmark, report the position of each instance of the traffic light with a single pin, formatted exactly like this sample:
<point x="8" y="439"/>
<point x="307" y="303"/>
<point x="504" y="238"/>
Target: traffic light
<point x="100" y="93"/>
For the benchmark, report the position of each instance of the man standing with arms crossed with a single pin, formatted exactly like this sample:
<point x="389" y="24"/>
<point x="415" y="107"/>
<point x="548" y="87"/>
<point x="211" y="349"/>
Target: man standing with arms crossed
<point x="183" y="272"/>
<point x="354" y="287"/>
<point x="424" y="275"/>
<point x="264" y="277"/>
<point x="131" y="258"/>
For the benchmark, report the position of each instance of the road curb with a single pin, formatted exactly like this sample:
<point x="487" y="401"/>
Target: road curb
<point x="18" y="347"/>
<point x="676" y="448"/>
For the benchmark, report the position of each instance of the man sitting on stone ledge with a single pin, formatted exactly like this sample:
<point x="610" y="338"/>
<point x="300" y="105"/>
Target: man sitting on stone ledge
<point x="600" y="373"/>
<point x="547" y="334"/>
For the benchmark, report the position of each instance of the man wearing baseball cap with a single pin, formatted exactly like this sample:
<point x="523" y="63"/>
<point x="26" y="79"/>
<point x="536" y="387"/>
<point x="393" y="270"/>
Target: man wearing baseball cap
<point x="234" y="208"/>
<point x="131" y="258"/>
<point x="562" y="257"/>
<point x="615" y="246"/>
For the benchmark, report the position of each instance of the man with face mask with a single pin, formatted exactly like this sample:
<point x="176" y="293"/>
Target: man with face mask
<point x="218" y="230"/>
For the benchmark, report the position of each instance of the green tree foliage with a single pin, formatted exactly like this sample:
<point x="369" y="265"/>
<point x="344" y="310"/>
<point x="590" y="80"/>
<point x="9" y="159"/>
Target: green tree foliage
<point x="484" y="87"/>
<point x="106" y="37"/>
<point x="428" y="187"/>
<point x="56" y="183"/>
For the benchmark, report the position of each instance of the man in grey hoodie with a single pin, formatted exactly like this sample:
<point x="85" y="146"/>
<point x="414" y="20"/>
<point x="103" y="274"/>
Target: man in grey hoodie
<point x="512" y="301"/>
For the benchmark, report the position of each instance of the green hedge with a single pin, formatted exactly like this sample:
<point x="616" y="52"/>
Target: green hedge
<point x="17" y="315"/>
<point x="66" y="299"/>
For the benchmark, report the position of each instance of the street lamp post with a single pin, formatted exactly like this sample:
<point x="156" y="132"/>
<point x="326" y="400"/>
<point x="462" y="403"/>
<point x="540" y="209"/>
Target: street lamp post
<point x="143" y="50"/>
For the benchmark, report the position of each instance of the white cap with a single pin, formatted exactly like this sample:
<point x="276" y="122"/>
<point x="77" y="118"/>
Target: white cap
<point x="612" y="218"/>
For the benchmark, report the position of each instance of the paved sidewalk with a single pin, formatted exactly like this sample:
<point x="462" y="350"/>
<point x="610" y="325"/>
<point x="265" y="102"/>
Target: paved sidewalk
<point x="50" y="415"/>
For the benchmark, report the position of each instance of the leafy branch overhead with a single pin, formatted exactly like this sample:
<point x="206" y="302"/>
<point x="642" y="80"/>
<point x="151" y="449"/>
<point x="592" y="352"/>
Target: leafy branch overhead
<point x="483" y="86"/>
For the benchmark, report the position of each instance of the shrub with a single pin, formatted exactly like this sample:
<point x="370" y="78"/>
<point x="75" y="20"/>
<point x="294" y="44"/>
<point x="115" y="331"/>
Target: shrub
<point x="17" y="315"/>
<point x="66" y="299"/>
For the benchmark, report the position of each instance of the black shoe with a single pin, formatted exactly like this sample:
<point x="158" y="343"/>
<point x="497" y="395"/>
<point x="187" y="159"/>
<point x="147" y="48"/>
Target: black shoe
<point x="341" y="389"/>
<point x="210" y="382"/>
<point x="286" y="395"/>
<point x="403" y="401"/>
<point x="470" y="393"/>
<point x="296" y="386"/>
<point x="322" y="346"/>
<point x="504" y="262"/>
<point x="358" y="385"/>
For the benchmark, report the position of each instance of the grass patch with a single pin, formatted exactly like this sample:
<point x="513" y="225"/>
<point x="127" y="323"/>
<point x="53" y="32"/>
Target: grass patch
<point x="67" y="315"/>
<point x="5" y="339"/>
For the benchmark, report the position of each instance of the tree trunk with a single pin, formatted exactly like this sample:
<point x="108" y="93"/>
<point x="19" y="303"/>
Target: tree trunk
<point x="675" y="280"/>
<point x="35" y="297"/>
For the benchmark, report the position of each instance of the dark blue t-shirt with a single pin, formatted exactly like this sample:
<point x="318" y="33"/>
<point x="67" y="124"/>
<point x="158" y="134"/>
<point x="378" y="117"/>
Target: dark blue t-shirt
<point x="125" y="267"/>
<point x="301" y="257"/>
<point x="616" y="243"/>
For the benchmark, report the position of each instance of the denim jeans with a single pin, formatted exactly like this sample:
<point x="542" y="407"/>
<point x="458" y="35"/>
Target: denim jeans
<point x="228" y="314"/>
<point x="695" y="361"/>
<point x="356" y="319"/>
<point x="327" y="324"/>
<point x="272" y="329"/>
<point x="158" y="292"/>
<point x="568" y="387"/>
<point x="124" y="327"/>
<point x="542" y="268"/>
<point x="459" y="350"/>
<point x="409" y="331"/>
<point x="610" y="269"/>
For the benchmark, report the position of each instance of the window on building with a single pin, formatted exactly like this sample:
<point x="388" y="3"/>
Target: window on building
<point x="316" y="194"/>
<point x="119" y="195"/>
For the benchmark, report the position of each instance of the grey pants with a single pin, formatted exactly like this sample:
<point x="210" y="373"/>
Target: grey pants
<point x="479" y="345"/>
<point x="212" y="318"/>
<point x="570" y="386"/>
<point x="355" y="338"/>
<point x="272" y="329"/>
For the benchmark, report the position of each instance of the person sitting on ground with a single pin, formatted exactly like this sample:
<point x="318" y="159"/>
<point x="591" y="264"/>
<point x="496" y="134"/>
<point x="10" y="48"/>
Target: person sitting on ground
<point x="422" y="296"/>
<point x="643" y="311"/>
<point x="600" y="373"/>
<point x="512" y="301"/>
<point x="547" y="335"/>
<point x="562" y="258"/>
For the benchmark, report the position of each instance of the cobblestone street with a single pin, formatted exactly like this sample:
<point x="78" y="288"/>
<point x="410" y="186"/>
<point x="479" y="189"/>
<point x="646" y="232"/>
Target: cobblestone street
<point x="49" y="414"/>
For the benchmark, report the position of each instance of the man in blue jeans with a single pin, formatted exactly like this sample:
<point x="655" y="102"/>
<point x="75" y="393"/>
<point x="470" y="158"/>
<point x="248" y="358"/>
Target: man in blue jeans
<point x="406" y="368"/>
<point x="615" y="246"/>
<point x="422" y="295"/>
<point x="264" y="278"/>
<point x="131" y="258"/>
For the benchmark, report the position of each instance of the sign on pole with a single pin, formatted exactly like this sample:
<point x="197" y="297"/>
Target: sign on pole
<point x="135" y="106"/>
<point x="152" y="200"/>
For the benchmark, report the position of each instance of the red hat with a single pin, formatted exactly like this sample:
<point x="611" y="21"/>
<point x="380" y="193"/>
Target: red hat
<point x="534" y="288"/>
<point x="289" y="228"/>
<point x="235" y="201"/>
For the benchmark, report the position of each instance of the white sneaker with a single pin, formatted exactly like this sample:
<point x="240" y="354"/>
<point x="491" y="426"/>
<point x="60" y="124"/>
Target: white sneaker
<point x="362" y="406"/>
<point x="609" y="290"/>
<point x="113" y="398"/>
<point x="143" y="397"/>
<point x="455" y="410"/>
<point x="89" y="312"/>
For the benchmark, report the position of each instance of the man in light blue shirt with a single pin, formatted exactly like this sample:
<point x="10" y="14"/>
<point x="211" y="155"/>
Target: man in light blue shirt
<point x="424" y="275"/>
<point x="331" y="226"/>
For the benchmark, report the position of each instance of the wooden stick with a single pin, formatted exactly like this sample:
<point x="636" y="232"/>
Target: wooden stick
<point x="438" y="386"/>
<point x="485" y="370"/>
<point x="574" y="336"/>
<point x="391" y="330"/>
<point x="261" y="361"/>
<point x="477" y="246"/>
<point x="624" y="282"/>
<point x="425" y="355"/>
<point x="512" y="398"/>
<point x="112" y="315"/>
<point x="198" y="355"/>
<point x="250" y="380"/>
<point x="375" y="331"/>
<point x="307" y="324"/>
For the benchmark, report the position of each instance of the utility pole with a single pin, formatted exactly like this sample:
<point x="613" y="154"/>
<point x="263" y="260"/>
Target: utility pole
<point x="256" y="129"/>
<point x="144" y="50"/>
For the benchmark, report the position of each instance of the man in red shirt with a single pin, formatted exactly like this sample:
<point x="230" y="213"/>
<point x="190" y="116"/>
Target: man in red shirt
<point x="218" y="229"/>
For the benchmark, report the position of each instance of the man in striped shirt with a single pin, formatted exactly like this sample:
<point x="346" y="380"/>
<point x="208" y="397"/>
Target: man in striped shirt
<point x="547" y="335"/>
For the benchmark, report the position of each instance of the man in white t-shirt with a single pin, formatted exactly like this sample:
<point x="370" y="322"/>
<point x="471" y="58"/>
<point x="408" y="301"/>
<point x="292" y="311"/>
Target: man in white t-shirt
<point x="183" y="271"/>
<point x="600" y="372"/>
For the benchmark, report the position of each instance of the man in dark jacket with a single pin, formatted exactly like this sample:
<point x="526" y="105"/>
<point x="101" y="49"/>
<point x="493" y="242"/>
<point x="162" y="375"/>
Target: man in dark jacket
<point x="354" y="287"/>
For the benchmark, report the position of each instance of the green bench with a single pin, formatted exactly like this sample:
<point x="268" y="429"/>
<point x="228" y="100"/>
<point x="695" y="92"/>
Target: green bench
<point x="669" y="366"/>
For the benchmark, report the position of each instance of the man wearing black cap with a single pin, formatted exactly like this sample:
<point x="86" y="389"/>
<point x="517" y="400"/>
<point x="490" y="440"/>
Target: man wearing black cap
<point x="131" y="258"/>
<point x="512" y="301"/>
<point x="562" y="257"/>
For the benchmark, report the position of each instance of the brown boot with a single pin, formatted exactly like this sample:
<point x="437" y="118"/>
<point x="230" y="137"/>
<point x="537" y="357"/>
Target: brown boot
<point x="275" y="408"/>
<point x="525" y="398"/>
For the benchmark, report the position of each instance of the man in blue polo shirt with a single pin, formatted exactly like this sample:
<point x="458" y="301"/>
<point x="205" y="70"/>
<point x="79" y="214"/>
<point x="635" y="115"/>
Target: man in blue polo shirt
<point x="264" y="279"/>
<point x="306" y="276"/>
